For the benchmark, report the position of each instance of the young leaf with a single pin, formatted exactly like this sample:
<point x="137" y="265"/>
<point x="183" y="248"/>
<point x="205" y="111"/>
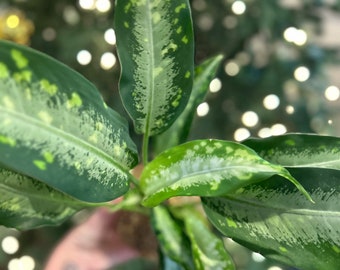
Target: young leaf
<point x="179" y="131"/>
<point x="173" y="242"/>
<point x="205" y="168"/>
<point x="26" y="203"/>
<point x="155" y="48"/>
<point x="273" y="218"/>
<point x="208" y="250"/>
<point x="299" y="150"/>
<point x="55" y="127"/>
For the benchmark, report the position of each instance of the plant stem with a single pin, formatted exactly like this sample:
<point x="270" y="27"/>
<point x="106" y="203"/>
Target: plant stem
<point x="145" y="150"/>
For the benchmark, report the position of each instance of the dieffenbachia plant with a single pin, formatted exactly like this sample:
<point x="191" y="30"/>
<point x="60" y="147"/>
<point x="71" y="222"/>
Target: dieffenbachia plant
<point x="62" y="149"/>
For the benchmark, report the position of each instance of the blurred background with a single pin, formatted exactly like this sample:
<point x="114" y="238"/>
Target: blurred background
<point x="280" y="74"/>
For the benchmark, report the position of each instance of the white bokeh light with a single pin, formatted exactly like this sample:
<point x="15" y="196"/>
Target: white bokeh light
<point x="202" y="109"/>
<point x="278" y="129"/>
<point x="241" y="134"/>
<point x="275" y="268"/>
<point x="271" y="102"/>
<point x="10" y="244"/>
<point x="301" y="74"/>
<point x="294" y="35"/>
<point x="332" y="93"/>
<point x="250" y="119"/>
<point x="265" y="132"/>
<point x="110" y="36"/>
<point x="84" y="57"/>
<point x="87" y="4"/>
<point x="215" y="85"/>
<point x="103" y="5"/>
<point x="231" y="68"/>
<point x="238" y="7"/>
<point x="107" y="61"/>
<point x="290" y="109"/>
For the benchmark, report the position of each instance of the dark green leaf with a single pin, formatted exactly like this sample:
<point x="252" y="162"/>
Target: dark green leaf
<point x="208" y="250"/>
<point x="179" y="131"/>
<point x="205" y="168"/>
<point x="299" y="150"/>
<point x="26" y="203"/>
<point x="155" y="48"/>
<point x="173" y="242"/>
<point x="55" y="127"/>
<point x="275" y="219"/>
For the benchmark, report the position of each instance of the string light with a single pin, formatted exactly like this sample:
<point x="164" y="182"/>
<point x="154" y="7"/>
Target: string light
<point x="332" y="93"/>
<point x="202" y="109"/>
<point x="238" y="7"/>
<point x="250" y="119"/>
<point x="215" y="85"/>
<point x="241" y="134"/>
<point x="271" y="102"/>
<point x="301" y="74"/>
<point x="107" y="61"/>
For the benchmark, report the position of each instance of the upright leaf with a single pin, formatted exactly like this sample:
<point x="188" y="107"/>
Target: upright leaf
<point x="208" y="250"/>
<point x="179" y="131"/>
<point x="273" y="218"/>
<point x="173" y="242"/>
<point x="155" y="48"/>
<point x="205" y="168"/>
<point x="55" y="127"/>
<point x="26" y="203"/>
<point x="299" y="150"/>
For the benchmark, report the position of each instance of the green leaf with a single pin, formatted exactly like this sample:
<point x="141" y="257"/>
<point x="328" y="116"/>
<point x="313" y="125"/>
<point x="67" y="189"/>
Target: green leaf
<point x="179" y="131"/>
<point x="156" y="52"/>
<point x="205" y="168"/>
<point x="26" y="203"/>
<point x="299" y="150"/>
<point x="208" y="250"/>
<point x="273" y="218"/>
<point x="173" y="242"/>
<point x="55" y="127"/>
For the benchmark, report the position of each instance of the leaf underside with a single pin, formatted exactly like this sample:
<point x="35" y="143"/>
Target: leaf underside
<point x="273" y="218"/>
<point x="55" y="127"/>
<point x="155" y="48"/>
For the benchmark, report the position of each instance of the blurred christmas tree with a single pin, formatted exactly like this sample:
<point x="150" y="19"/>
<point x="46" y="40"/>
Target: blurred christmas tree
<point x="277" y="75"/>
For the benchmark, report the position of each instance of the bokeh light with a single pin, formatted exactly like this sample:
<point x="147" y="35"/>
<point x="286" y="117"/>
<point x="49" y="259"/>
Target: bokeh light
<point x="241" y="134"/>
<point x="278" y="129"/>
<point x="250" y="119"/>
<point x="301" y="74"/>
<point x="215" y="85"/>
<point x="202" y="109"/>
<point x="257" y="257"/>
<point x="238" y="7"/>
<point x="87" y="4"/>
<point x="231" y="68"/>
<point x="332" y="93"/>
<point x="271" y="102"/>
<point x="10" y="245"/>
<point x="103" y="5"/>
<point x="110" y="36"/>
<point x="84" y="57"/>
<point x="296" y="36"/>
<point x="107" y="61"/>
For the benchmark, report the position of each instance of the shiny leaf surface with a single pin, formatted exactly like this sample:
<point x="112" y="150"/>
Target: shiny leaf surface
<point x="155" y="48"/>
<point x="26" y="203"/>
<point x="299" y="150"/>
<point x="179" y="131"/>
<point x="173" y="242"/>
<point x="208" y="250"/>
<point x="205" y="168"/>
<point x="55" y="127"/>
<point x="273" y="218"/>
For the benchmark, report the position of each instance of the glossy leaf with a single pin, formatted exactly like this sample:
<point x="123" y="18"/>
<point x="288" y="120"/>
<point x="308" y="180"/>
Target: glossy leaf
<point x="179" y="131"/>
<point x="205" y="168"/>
<point x="26" y="203"/>
<point x="155" y="48"/>
<point x="299" y="150"/>
<point x="208" y="250"/>
<point x="55" y="127"/>
<point x="273" y="218"/>
<point x="173" y="242"/>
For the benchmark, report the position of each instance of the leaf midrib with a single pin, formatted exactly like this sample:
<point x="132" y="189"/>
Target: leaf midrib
<point x="69" y="137"/>
<point x="304" y="211"/>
